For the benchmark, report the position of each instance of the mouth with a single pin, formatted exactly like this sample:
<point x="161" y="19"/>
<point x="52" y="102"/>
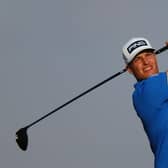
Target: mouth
<point x="147" y="69"/>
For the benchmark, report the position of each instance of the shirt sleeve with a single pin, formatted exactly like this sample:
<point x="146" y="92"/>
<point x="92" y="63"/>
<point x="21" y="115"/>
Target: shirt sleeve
<point x="150" y="100"/>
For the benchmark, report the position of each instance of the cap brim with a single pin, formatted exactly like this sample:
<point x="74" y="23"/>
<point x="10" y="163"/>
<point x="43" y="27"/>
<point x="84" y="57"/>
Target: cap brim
<point x="147" y="49"/>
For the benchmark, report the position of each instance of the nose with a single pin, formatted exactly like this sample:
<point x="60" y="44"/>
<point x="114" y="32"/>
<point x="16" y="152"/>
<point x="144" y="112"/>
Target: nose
<point x="145" y="60"/>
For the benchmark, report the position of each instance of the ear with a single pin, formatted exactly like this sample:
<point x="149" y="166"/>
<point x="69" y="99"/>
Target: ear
<point x="129" y="70"/>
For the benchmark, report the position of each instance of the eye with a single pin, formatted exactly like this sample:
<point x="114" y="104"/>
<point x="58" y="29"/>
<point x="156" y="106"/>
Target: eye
<point x="136" y="59"/>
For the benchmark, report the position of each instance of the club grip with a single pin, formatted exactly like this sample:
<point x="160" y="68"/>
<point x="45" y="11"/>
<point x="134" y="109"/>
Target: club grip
<point x="161" y="50"/>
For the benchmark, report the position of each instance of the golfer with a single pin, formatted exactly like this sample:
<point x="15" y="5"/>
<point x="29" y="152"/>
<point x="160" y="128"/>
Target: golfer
<point x="150" y="97"/>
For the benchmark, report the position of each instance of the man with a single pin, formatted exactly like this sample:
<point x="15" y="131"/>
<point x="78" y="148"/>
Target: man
<point x="150" y="97"/>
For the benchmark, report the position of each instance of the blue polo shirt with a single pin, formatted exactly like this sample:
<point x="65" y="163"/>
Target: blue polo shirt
<point x="150" y="100"/>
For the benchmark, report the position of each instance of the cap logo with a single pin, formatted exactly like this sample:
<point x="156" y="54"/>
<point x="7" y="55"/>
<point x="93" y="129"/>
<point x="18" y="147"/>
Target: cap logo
<point x="135" y="45"/>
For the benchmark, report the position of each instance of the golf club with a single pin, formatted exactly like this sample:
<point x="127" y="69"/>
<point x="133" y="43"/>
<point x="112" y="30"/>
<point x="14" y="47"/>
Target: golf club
<point x="21" y="134"/>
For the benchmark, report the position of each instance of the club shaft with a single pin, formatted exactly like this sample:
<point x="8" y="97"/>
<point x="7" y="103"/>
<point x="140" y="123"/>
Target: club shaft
<point x="77" y="97"/>
<point x="89" y="90"/>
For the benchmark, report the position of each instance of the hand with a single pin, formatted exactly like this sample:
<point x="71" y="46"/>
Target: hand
<point x="166" y="43"/>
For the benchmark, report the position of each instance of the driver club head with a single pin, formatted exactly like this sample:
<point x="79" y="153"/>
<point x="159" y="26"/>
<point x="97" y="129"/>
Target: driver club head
<point x="22" y="138"/>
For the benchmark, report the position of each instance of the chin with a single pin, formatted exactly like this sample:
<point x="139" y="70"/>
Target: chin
<point x="147" y="75"/>
<point x="150" y="73"/>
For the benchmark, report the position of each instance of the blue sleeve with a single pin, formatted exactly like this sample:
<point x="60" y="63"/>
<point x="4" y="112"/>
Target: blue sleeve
<point x="161" y="157"/>
<point x="150" y="100"/>
<point x="151" y="96"/>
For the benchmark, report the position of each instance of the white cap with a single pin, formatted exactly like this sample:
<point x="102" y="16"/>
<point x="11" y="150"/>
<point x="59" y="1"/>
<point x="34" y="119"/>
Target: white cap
<point x="133" y="47"/>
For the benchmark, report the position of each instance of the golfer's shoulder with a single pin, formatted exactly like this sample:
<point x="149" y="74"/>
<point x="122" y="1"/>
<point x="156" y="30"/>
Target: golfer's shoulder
<point x="166" y="73"/>
<point x="165" y="76"/>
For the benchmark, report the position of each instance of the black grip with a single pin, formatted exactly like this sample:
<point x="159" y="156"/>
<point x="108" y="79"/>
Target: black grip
<point x="161" y="50"/>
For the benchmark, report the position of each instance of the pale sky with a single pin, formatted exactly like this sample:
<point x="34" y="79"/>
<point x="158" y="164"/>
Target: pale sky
<point x="53" y="50"/>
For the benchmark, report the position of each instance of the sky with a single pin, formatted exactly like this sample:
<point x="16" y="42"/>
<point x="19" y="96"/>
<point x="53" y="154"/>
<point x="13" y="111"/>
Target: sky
<point x="51" y="51"/>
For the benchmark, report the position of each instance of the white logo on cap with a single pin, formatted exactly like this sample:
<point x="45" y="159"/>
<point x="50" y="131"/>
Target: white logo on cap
<point x="135" y="45"/>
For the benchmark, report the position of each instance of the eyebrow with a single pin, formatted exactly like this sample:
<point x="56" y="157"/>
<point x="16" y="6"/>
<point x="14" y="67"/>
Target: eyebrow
<point x="145" y="53"/>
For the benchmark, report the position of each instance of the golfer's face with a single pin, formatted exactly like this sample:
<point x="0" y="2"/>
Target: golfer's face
<point x="144" y="65"/>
